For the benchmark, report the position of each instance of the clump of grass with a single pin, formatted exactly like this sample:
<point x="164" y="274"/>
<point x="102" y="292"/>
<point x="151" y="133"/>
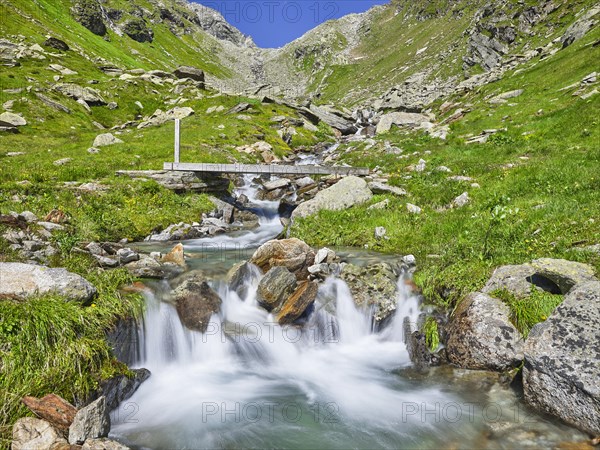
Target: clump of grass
<point x="49" y="345"/>
<point x="526" y="312"/>
<point x="432" y="335"/>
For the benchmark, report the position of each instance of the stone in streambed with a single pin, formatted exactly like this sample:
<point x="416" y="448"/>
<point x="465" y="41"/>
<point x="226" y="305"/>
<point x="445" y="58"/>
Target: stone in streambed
<point x="275" y="287"/>
<point x="90" y="422"/>
<point x="196" y="302"/>
<point x="52" y="408"/>
<point x="293" y="254"/>
<point x="175" y="256"/>
<point x="30" y="433"/>
<point x="298" y="302"/>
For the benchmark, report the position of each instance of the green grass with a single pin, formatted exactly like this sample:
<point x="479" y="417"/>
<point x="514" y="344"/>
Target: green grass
<point x="432" y="336"/>
<point x="539" y="193"/>
<point x="525" y="313"/>
<point x="50" y="345"/>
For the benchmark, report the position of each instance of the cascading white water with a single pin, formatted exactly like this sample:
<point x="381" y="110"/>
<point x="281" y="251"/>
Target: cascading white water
<point x="249" y="383"/>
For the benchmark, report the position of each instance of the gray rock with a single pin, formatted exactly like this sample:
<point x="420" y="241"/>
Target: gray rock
<point x="381" y="205"/>
<point x="25" y="280"/>
<point x="561" y="375"/>
<point x="29" y="216"/>
<point x="580" y="27"/>
<point x="159" y="117"/>
<point x="196" y="302"/>
<point x="277" y="184"/>
<point x="516" y="279"/>
<point x="190" y="72"/>
<point x="91" y="96"/>
<point x="241" y="277"/>
<point x="325" y="255"/>
<point x="90" y="422"/>
<point x="401" y="119"/>
<point x="8" y="119"/>
<point x="106" y="261"/>
<point x="410" y="260"/>
<point x="332" y="119"/>
<point x="52" y="104"/>
<point x="30" y="433"/>
<point x="565" y="274"/>
<point x="347" y="192"/>
<point x="275" y="287"/>
<point x="380" y="232"/>
<point x="62" y="162"/>
<point x="106" y="139"/>
<point x="481" y="336"/>
<point x="384" y="188"/>
<point x="374" y="286"/>
<point x="146" y="267"/>
<point x="126" y="255"/>
<point x="413" y="209"/>
<point x="462" y="200"/>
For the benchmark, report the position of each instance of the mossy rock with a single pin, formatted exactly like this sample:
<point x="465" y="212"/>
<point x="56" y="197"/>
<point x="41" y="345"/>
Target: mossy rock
<point x="89" y="14"/>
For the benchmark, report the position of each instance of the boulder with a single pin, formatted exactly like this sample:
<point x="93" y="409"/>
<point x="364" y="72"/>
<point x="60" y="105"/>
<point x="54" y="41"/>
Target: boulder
<point x="275" y="287"/>
<point x="21" y="281"/>
<point x="91" y="422"/>
<point x="373" y="286"/>
<point x="580" y="27"/>
<point x="126" y="255"/>
<point x="293" y="254"/>
<point x="481" y="336"/>
<point x="159" y="117"/>
<point x="331" y="117"/>
<point x="401" y="119"/>
<point x="196" y="302"/>
<point x="175" y="256"/>
<point x="561" y="372"/>
<point x="121" y="387"/>
<point x="29" y="433"/>
<point x="90" y="96"/>
<point x="241" y="277"/>
<point x="462" y="200"/>
<point x="8" y="119"/>
<point x="89" y="14"/>
<point x="384" y="188"/>
<point x="297" y="303"/>
<point x="347" y="192"/>
<point x="565" y="274"/>
<point x="56" y="44"/>
<point x="146" y="267"/>
<point x="556" y="276"/>
<point x="138" y="30"/>
<point x="189" y="72"/>
<point x="105" y="139"/>
<point x="52" y="408"/>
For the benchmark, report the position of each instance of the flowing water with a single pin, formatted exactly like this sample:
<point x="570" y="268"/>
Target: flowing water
<point x="334" y="383"/>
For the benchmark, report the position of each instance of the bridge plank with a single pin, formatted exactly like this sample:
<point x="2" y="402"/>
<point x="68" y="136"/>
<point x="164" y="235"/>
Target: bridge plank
<point x="273" y="169"/>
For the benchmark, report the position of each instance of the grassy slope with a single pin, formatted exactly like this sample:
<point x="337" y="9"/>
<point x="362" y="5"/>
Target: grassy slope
<point x="544" y="206"/>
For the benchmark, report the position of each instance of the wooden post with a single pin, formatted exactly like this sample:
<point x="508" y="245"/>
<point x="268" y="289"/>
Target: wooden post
<point x="176" y="159"/>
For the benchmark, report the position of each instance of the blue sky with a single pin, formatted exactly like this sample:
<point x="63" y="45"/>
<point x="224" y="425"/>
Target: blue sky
<point x="274" y="23"/>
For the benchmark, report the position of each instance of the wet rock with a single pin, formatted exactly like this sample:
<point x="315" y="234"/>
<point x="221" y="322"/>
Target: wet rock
<point x="373" y="286"/>
<point x="196" y="302"/>
<point x="275" y="287"/>
<point x="147" y="267"/>
<point x="91" y="422"/>
<point x="481" y="336"/>
<point x="21" y="281"/>
<point x="325" y="255"/>
<point x="118" y="389"/>
<point x="293" y="254"/>
<point x="347" y="192"/>
<point x="30" y="433"/>
<point x="241" y="276"/>
<point x="561" y="371"/>
<point x="176" y="256"/>
<point x="126" y="255"/>
<point x="52" y="408"/>
<point x="277" y="184"/>
<point x="297" y="303"/>
<point x="105" y="139"/>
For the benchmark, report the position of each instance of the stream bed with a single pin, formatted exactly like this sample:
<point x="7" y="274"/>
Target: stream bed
<point x="335" y="382"/>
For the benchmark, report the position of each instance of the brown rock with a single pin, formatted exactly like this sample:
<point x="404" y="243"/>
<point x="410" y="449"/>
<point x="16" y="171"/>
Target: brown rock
<point x="52" y="408"/>
<point x="57" y="216"/>
<point x="196" y="302"/>
<point x="293" y="254"/>
<point x="175" y="256"/>
<point x="295" y="306"/>
<point x="12" y="221"/>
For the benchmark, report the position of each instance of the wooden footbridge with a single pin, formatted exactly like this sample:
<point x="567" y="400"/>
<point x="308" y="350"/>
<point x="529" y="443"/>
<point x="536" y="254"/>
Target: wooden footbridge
<point x="271" y="169"/>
